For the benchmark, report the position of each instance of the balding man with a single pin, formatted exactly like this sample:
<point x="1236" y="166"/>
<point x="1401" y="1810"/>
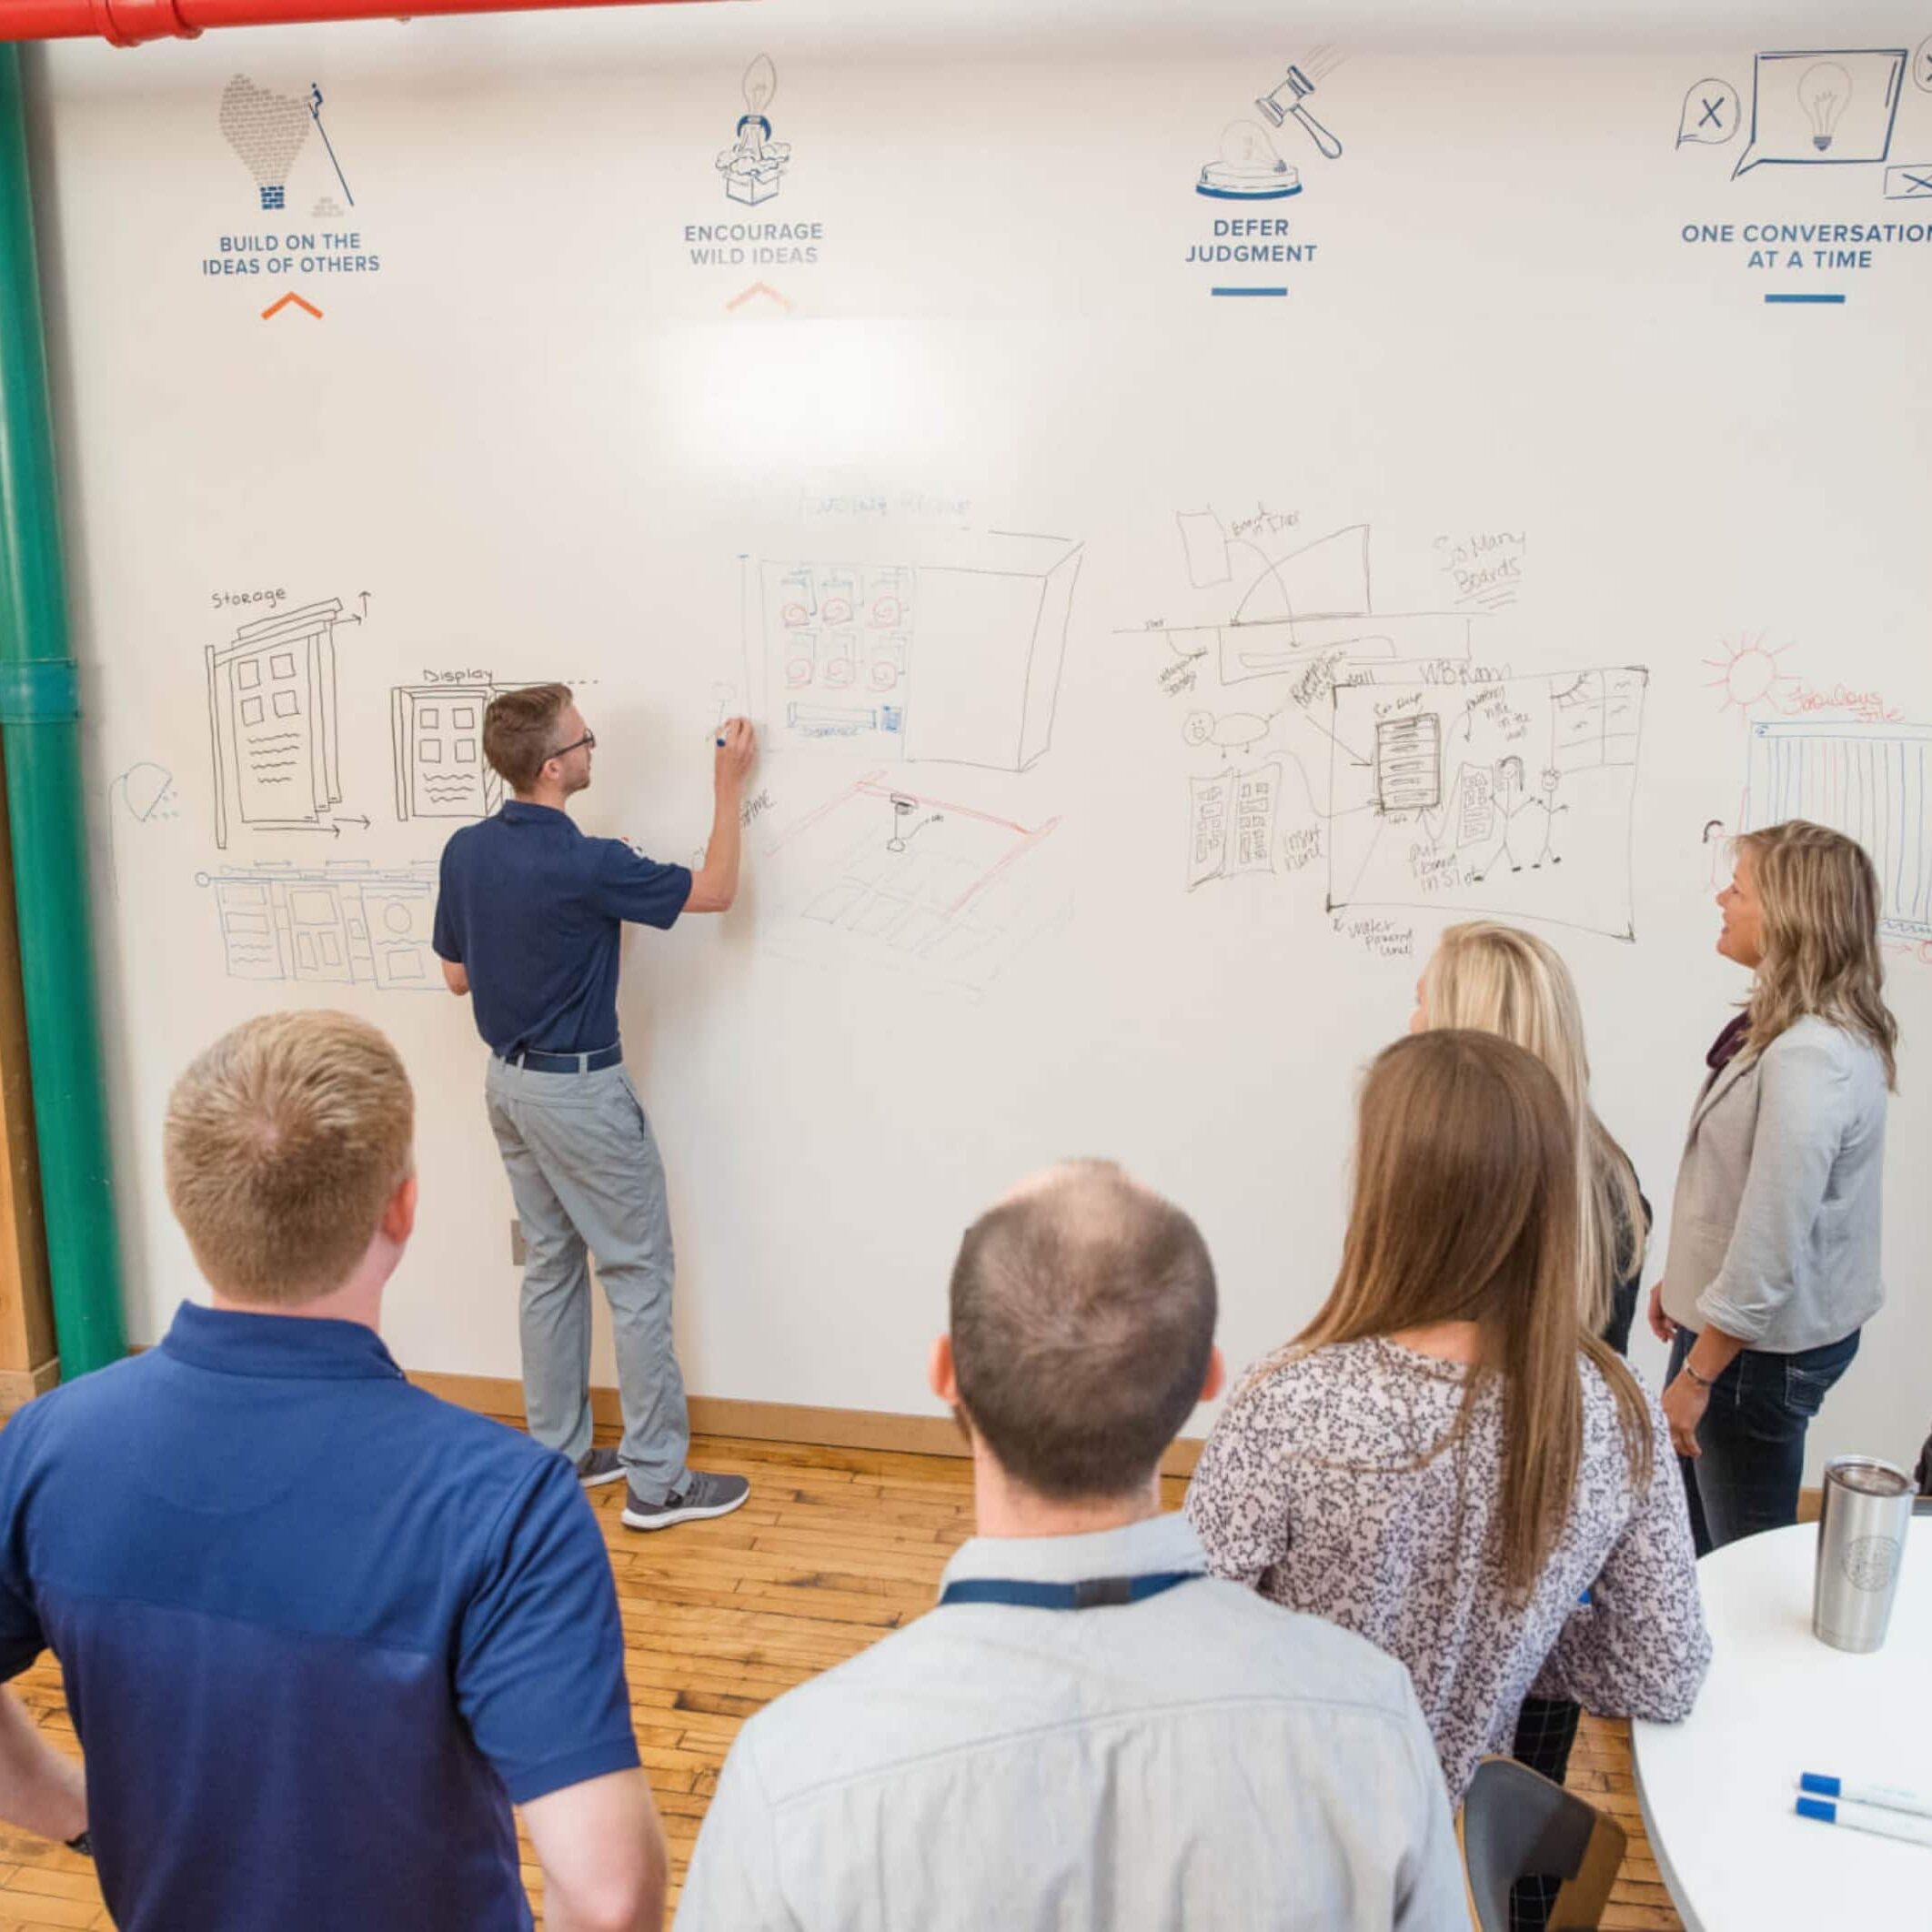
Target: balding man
<point x="1088" y="1730"/>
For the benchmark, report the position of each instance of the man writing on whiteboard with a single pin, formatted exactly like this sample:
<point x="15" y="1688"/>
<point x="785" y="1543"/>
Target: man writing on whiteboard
<point x="529" y="922"/>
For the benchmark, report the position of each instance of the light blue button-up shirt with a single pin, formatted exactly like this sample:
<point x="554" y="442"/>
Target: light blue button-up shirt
<point x="1200" y="1759"/>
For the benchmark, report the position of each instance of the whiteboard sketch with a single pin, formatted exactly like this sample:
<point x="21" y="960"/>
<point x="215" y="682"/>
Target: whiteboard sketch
<point x="1511" y="798"/>
<point x="343" y="924"/>
<point x="953" y="656"/>
<point x="1873" y="782"/>
<point x="1315" y="600"/>
<point x="1232" y="823"/>
<point x="905" y="881"/>
<point x="437" y="737"/>
<point x="271" y="694"/>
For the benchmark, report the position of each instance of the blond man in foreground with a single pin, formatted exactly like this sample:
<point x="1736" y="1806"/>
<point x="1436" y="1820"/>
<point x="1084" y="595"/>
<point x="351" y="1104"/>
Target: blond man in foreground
<point x="319" y="1631"/>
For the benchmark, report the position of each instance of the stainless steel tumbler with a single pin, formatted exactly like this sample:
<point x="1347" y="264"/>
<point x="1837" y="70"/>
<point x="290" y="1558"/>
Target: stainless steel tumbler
<point x="1862" y="1525"/>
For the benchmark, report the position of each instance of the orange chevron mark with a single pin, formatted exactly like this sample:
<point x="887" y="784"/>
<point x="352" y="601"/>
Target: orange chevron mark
<point x="757" y="288"/>
<point x="275" y="309"/>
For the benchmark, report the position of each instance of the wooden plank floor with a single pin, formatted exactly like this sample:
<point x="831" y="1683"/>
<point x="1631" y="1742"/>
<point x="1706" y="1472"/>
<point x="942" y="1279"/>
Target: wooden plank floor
<point x="834" y="1547"/>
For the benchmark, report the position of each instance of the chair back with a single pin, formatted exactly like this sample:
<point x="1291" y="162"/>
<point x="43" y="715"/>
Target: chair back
<point x="1515" y="1823"/>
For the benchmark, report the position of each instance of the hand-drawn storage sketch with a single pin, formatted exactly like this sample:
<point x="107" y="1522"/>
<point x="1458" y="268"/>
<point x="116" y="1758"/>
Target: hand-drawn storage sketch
<point x="1317" y="599"/>
<point x="436" y="732"/>
<point x="754" y="166"/>
<point x="1511" y="797"/>
<point x="1873" y="782"/>
<point x="1830" y="108"/>
<point x="1712" y="112"/>
<point x="343" y="924"/>
<point x="266" y="130"/>
<point x="953" y="655"/>
<point x="912" y="884"/>
<point x="272" y="724"/>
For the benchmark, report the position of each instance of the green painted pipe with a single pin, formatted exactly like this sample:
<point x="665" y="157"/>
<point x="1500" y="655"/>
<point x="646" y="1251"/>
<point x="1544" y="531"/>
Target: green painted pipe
<point x="40" y="727"/>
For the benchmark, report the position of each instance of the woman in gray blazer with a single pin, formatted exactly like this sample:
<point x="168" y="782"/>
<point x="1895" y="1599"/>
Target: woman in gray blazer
<point x="1773" y="1267"/>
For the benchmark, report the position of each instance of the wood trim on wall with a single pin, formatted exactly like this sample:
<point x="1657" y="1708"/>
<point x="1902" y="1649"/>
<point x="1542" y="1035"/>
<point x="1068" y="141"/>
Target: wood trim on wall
<point x="765" y="1422"/>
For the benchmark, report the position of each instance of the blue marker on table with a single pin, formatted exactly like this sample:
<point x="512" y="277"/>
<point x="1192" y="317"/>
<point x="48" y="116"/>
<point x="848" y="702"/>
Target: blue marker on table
<point x="1892" y="1798"/>
<point x="1868" y="1817"/>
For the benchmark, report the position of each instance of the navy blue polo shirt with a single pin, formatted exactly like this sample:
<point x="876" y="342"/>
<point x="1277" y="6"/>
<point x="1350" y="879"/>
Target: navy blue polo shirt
<point x="533" y="910"/>
<point x="318" y="1630"/>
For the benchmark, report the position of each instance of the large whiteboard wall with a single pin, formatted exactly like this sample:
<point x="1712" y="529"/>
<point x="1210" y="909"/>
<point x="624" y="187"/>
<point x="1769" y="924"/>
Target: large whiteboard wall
<point x="1146" y="674"/>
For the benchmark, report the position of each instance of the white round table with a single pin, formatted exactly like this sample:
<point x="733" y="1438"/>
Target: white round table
<point x="1717" y="1791"/>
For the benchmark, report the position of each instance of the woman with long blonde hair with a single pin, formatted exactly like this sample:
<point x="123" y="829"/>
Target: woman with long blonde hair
<point x="1498" y="979"/>
<point x="1443" y="1461"/>
<point x="1773" y="1268"/>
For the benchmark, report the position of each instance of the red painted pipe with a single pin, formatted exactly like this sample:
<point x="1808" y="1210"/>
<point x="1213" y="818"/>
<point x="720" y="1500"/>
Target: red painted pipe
<point x="127" y="23"/>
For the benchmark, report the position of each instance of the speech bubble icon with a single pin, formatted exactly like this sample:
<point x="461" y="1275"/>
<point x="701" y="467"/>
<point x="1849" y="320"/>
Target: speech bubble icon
<point x="1922" y="64"/>
<point x="1241" y="728"/>
<point x="1710" y="113"/>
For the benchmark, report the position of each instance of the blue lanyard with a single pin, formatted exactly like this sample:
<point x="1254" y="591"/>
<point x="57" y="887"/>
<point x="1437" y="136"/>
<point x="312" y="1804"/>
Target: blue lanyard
<point x="1094" y="1594"/>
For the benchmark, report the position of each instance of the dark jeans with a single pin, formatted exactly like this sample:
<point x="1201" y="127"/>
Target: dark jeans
<point x="1753" y="1438"/>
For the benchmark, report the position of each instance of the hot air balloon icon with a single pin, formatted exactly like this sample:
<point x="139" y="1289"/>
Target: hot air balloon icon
<point x="754" y="164"/>
<point x="266" y="130"/>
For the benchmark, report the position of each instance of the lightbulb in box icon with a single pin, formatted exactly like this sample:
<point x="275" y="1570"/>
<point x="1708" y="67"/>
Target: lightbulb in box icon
<point x="754" y="166"/>
<point x="1824" y="92"/>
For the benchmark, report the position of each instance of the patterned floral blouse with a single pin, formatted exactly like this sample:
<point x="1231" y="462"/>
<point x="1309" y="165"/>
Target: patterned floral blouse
<point x="1304" y="1491"/>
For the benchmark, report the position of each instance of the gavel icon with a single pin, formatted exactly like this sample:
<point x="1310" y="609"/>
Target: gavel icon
<point x="1298" y="87"/>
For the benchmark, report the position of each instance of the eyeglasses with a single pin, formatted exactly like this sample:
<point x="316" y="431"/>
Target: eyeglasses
<point x="587" y="742"/>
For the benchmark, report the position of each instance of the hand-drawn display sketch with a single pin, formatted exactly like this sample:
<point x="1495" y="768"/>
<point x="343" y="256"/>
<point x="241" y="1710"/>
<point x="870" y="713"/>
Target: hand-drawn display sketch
<point x="1873" y="782"/>
<point x="903" y="880"/>
<point x="342" y="923"/>
<point x="1317" y="599"/>
<point x="1511" y="798"/>
<point x="437" y="733"/>
<point x="1231" y="821"/>
<point x="754" y="166"/>
<point x="1827" y="109"/>
<point x="272" y="724"/>
<point x="952" y="656"/>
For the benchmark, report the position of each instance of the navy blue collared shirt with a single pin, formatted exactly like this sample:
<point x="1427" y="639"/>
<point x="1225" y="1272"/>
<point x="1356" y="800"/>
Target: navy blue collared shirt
<point x="318" y="1630"/>
<point x="534" y="911"/>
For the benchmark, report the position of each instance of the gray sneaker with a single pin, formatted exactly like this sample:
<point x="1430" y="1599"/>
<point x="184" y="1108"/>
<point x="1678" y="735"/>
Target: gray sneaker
<point x="703" y="1494"/>
<point x="598" y="1466"/>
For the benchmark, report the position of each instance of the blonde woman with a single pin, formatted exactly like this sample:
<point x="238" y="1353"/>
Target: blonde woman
<point x="1501" y="980"/>
<point x="1773" y="1267"/>
<point x="1444" y="1461"/>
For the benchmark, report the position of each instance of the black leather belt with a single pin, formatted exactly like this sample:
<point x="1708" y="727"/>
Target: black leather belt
<point x="533" y="1062"/>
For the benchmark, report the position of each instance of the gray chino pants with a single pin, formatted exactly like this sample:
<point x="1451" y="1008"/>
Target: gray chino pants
<point x="586" y="1177"/>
